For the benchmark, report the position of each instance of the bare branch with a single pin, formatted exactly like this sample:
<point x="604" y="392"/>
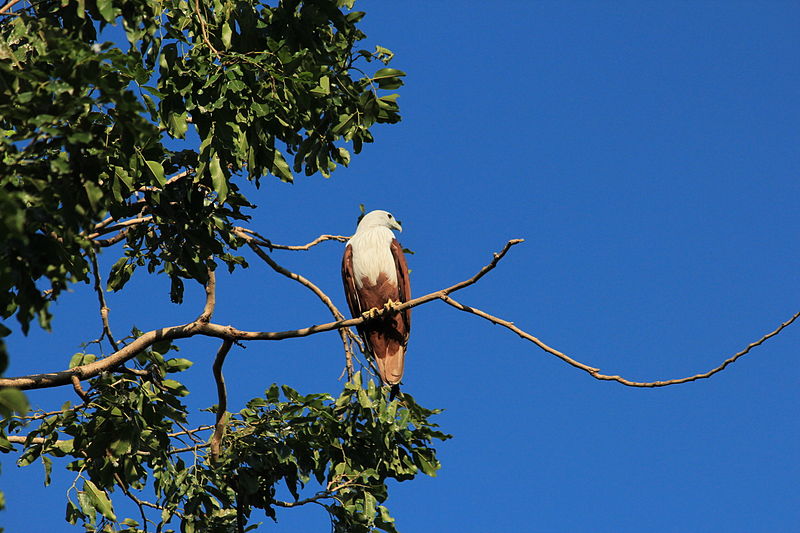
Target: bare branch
<point x="204" y="29"/>
<point x="266" y="242"/>
<point x="102" y="300"/>
<point x="23" y="439"/>
<point x="76" y="384"/>
<point x="343" y="332"/>
<point x="36" y="381"/>
<point x="119" y="226"/>
<point x="595" y="372"/>
<point x="104" y="243"/>
<point x="8" y="6"/>
<point x="222" y="395"/>
<point x="211" y="298"/>
<point x="173" y="179"/>
<point x="140" y="503"/>
<point x="190" y="431"/>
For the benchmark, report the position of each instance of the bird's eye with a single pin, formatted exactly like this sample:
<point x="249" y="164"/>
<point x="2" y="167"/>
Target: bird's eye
<point x="390" y="215"/>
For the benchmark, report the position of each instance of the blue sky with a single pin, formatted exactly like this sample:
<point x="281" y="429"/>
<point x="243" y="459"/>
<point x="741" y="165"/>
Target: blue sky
<point x="647" y="152"/>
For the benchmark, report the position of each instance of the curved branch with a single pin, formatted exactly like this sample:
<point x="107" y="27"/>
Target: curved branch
<point x="211" y="298"/>
<point x="36" y="381"/>
<point x="101" y="298"/>
<point x="595" y="372"/>
<point x="222" y="395"/>
<point x="90" y="370"/>
<point x="266" y="242"/>
<point x="343" y="332"/>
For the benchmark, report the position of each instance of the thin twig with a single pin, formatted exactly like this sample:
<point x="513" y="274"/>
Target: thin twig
<point x="190" y="431"/>
<point x="204" y="29"/>
<point x="189" y="448"/>
<point x="343" y="332"/>
<point x="595" y="372"/>
<point x="125" y="224"/>
<point x="101" y="298"/>
<point x="104" y="243"/>
<point x="141" y="504"/>
<point x="8" y="5"/>
<point x="211" y="298"/>
<point x="266" y="242"/>
<point x="222" y="396"/>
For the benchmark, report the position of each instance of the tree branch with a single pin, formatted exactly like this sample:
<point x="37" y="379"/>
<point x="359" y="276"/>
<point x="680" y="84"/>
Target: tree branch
<point x="126" y="224"/>
<point x="266" y="242"/>
<point x="222" y="395"/>
<point x="595" y="372"/>
<point x="343" y="332"/>
<point x="8" y="6"/>
<point x="76" y="384"/>
<point x="211" y="298"/>
<point x="54" y="379"/>
<point x="102" y="300"/>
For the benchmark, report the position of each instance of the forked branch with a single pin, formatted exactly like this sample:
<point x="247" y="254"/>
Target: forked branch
<point x="229" y="333"/>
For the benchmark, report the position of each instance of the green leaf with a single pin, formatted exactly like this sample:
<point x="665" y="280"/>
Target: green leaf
<point x="280" y="168"/>
<point x="218" y="179"/>
<point x="93" y="193"/>
<point x="99" y="500"/>
<point x="157" y="170"/>
<point x="388" y="78"/>
<point x="48" y="469"/>
<point x="178" y="364"/>
<point x="81" y="358"/>
<point x="106" y="9"/>
<point x="227" y="32"/>
<point x="344" y="156"/>
<point x="13" y="401"/>
<point x="176" y="387"/>
<point x="324" y="87"/>
<point x="178" y="124"/>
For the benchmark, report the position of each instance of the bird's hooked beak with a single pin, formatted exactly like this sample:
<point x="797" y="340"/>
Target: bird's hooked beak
<point x="395" y="224"/>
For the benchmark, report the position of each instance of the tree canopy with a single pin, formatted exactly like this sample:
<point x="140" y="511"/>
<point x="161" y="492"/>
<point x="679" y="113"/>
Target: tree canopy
<point x="130" y="128"/>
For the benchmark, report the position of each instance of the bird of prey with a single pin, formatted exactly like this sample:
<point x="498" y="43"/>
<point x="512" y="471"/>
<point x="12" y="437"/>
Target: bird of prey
<point x="375" y="275"/>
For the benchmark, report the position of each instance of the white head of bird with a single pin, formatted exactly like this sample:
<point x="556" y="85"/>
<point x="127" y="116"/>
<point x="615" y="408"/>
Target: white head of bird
<point x="378" y="219"/>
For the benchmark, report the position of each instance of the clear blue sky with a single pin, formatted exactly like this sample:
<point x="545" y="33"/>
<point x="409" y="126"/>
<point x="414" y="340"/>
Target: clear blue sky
<point x="648" y="153"/>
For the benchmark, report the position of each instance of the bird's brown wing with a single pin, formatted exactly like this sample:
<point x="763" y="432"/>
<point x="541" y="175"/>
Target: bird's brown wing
<point x="403" y="283"/>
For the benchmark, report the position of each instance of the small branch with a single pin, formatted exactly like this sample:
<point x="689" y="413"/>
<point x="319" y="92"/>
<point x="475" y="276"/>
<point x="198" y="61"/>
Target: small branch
<point x="204" y="29"/>
<point x="211" y="298"/>
<point x="8" y="5"/>
<point x="222" y="404"/>
<point x="189" y="431"/>
<point x="266" y="242"/>
<point x="170" y="181"/>
<point x="76" y="384"/>
<point x="102" y="300"/>
<point x="118" y="226"/>
<point x="343" y="332"/>
<point x="105" y="243"/>
<point x="595" y="372"/>
<point x="23" y="439"/>
<point x="188" y="448"/>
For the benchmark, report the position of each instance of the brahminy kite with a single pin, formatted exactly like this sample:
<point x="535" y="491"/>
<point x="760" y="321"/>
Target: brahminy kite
<point x="375" y="274"/>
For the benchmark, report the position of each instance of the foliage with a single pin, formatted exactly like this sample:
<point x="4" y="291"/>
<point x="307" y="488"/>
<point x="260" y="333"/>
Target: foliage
<point x="89" y="129"/>
<point x="145" y="149"/>
<point x="130" y="437"/>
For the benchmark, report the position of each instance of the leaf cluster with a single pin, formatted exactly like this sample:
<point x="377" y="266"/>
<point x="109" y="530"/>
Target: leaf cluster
<point x="96" y="131"/>
<point x="130" y="440"/>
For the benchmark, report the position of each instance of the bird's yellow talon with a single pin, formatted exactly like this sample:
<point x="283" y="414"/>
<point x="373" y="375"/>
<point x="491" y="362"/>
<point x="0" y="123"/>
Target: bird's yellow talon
<point x="372" y="314"/>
